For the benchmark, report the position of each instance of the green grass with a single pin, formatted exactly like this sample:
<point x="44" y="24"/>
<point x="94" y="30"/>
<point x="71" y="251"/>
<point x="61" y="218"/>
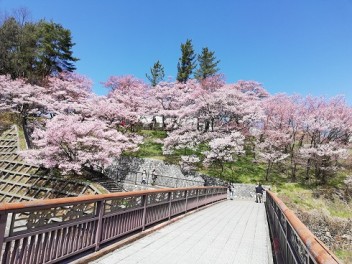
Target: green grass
<point x="149" y="148"/>
<point x="303" y="197"/>
<point x="344" y="255"/>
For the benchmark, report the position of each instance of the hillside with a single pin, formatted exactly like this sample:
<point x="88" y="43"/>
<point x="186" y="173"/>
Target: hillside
<point x="325" y="209"/>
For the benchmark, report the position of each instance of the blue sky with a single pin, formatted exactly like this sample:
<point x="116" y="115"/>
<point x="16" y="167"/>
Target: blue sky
<point x="289" y="46"/>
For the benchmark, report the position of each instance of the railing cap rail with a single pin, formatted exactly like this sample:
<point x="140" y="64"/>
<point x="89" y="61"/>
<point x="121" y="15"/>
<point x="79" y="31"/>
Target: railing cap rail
<point x="5" y="207"/>
<point x="316" y="248"/>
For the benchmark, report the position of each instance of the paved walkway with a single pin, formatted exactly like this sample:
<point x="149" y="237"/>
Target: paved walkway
<point x="228" y="232"/>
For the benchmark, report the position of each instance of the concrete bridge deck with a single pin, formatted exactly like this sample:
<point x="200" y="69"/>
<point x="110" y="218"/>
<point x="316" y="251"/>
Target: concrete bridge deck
<point x="228" y="232"/>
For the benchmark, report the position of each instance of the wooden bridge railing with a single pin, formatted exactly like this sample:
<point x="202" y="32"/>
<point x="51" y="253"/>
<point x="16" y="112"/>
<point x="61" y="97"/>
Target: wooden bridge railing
<point x="48" y="231"/>
<point x="292" y="240"/>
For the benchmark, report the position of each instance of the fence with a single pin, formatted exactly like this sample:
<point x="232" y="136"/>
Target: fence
<point x="147" y="178"/>
<point x="292" y="240"/>
<point x="49" y="231"/>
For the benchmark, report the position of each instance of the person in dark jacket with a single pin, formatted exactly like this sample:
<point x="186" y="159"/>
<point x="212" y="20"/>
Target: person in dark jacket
<point x="259" y="193"/>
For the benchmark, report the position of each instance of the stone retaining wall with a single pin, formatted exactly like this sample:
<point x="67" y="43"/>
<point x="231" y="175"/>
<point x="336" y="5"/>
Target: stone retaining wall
<point x="129" y="173"/>
<point x="247" y="191"/>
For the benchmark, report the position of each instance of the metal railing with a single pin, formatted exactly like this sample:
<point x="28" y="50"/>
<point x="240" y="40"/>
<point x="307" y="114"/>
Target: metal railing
<point x="49" y="231"/>
<point x="149" y="178"/>
<point x="292" y="240"/>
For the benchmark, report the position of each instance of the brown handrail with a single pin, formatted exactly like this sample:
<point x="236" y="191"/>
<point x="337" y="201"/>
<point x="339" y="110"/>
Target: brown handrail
<point x="316" y="249"/>
<point x="89" y="198"/>
<point x="49" y="231"/>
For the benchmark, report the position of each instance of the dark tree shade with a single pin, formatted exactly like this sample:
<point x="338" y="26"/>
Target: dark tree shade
<point x="186" y="63"/>
<point x="156" y="74"/>
<point x="207" y="64"/>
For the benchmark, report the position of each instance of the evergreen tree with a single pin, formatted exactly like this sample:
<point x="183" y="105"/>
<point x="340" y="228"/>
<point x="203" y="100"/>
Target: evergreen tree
<point x="157" y="74"/>
<point x="186" y="63"/>
<point x="9" y="36"/>
<point x="207" y="64"/>
<point x="34" y="50"/>
<point x="54" y="49"/>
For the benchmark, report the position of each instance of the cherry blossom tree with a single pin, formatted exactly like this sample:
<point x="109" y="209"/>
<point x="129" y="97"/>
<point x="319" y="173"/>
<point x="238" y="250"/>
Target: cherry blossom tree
<point x="328" y="126"/>
<point x="282" y="126"/>
<point x="74" y="144"/>
<point x="224" y="149"/>
<point x="313" y="131"/>
<point x="67" y="92"/>
<point x="271" y="149"/>
<point x="21" y="98"/>
<point x="62" y="93"/>
<point x="208" y="114"/>
<point x="168" y="98"/>
<point x="131" y="93"/>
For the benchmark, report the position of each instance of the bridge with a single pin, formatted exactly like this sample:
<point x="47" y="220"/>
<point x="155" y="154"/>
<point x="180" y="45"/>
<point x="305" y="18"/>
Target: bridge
<point x="108" y="228"/>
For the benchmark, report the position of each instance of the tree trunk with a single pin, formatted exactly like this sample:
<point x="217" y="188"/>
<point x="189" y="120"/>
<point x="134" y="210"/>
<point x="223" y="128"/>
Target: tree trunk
<point x="206" y="126"/>
<point x="163" y="121"/>
<point x="25" y="132"/>
<point x="222" y="168"/>
<point x="268" y="169"/>
<point x="293" y="168"/>
<point x="307" y="169"/>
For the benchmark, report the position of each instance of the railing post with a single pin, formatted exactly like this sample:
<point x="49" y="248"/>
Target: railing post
<point x="197" y="198"/>
<point x="186" y="196"/>
<point x="3" y="219"/>
<point x="100" y="212"/>
<point x="144" y="202"/>
<point x="169" y="199"/>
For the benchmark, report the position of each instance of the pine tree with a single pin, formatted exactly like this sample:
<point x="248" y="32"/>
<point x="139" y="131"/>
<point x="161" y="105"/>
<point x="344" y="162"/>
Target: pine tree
<point x="55" y="49"/>
<point x="186" y="63"/>
<point x="157" y="74"/>
<point x="207" y="64"/>
<point x="34" y="50"/>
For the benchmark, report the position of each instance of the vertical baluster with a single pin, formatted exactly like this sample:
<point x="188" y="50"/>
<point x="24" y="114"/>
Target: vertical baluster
<point x="84" y="234"/>
<point x="90" y="232"/>
<point x="43" y="248"/>
<point x="118" y="220"/>
<point x="107" y="230"/>
<point x="66" y="241"/>
<point x="72" y="239"/>
<point x="115" y="229"/>
<point x="14" y="252"/>
<point x="58" y="243"/>
<point x="79" y="237"/>
<point x="144" y="202"/>
<point x="32" y="250"/>
<point x="7" y="253"/>
<point x="25" y="252"/>
<point x="50" y="253"/>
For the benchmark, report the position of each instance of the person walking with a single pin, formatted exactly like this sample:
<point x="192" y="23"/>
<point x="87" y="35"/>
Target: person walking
<point x="144" y="177"/>
<point x="231" y="189"/>
<point x="154" y="177"/>
<point x="259" y="193"/>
